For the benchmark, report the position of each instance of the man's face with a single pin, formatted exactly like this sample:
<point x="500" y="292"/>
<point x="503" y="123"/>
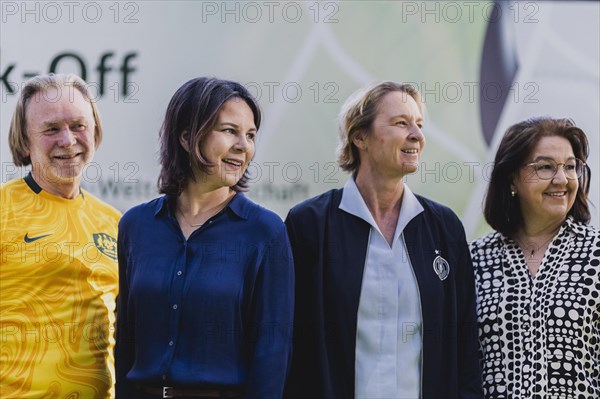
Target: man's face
<point x="61" y="138"/>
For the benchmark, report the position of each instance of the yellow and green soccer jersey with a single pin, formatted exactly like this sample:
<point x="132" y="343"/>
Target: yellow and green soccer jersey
<point x="58" y="285"/>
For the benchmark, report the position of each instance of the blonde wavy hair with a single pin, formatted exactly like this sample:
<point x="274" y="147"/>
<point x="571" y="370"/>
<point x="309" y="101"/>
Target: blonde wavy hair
<point x="17" y="133"/>
<point x="357" y="116"/>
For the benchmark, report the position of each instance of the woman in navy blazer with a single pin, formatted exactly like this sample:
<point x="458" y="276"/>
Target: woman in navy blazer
<point x="385" y="302"/>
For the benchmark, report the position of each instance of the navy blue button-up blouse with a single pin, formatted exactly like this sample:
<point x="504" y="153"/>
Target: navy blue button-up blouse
<point x="216" y="309"/>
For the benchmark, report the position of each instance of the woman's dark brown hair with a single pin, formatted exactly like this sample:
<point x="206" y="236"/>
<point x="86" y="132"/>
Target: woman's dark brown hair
<point x="502" y="211"/>
<point x="192" y="112"/>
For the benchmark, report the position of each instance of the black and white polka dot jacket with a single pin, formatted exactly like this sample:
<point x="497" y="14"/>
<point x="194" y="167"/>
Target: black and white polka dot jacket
<point x="540" y="337"/>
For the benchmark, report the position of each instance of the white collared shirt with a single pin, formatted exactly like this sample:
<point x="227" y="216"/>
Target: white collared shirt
<point x="388" y="336"/>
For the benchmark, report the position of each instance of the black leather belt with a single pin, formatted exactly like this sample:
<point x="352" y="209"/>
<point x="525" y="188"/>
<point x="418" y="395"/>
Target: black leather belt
<point x="174" y="392"/>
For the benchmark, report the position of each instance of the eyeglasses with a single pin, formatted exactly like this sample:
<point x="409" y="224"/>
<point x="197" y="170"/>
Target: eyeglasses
<point x="547" y="169"/>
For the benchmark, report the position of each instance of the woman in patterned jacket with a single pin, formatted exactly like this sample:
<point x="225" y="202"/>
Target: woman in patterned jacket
<point x="538" y="274"/>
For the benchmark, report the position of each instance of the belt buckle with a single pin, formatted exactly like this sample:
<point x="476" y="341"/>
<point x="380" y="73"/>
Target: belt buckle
<point x="165" y="393"/>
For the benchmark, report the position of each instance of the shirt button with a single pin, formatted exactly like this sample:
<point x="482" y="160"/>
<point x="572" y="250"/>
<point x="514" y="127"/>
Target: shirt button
<point x="171" y="343"/>
<point x="179" y="272"/>
<point x="175" y="306"/>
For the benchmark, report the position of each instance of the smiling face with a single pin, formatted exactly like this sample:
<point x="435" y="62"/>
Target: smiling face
<point x="229" y="146"/>
<point x="60" y="139"/>
<point x="392" y="147"/>
<point x="546" y="201"/>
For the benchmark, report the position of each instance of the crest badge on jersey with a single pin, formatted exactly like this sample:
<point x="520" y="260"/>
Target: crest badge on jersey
<point x="106" y="244"/>
<point x="441" y="267"/>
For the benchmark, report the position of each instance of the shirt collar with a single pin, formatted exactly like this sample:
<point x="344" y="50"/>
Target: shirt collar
<point x="568" y="225"/>
<point x="575" y="227"/>
<point x="36" y="188"/>
<point x="240" y="205"/>
<point x="353" y="203"/>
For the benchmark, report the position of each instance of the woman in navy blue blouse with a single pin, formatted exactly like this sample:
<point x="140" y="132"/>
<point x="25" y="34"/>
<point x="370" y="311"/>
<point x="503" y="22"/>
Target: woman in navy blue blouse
<point x="205" y="305"/>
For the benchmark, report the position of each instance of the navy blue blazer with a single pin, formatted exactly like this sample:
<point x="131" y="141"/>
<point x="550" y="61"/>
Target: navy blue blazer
<point x="329" y="247"/>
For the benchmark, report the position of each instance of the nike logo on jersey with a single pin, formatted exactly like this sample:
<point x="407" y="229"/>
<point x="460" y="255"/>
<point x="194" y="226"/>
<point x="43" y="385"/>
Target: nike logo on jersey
<point x="32" y="239"/>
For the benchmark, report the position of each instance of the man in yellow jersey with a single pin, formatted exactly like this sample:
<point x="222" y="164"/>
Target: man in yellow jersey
<point x="58" y="270"/>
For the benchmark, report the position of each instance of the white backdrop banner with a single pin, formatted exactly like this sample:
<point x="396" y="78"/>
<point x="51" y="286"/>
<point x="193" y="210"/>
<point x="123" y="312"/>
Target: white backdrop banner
<point x="481" y="66"/>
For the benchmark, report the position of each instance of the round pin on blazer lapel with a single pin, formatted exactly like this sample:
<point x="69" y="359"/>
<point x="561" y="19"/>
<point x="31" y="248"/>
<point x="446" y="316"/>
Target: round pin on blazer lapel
<point x="441" y="267"/>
